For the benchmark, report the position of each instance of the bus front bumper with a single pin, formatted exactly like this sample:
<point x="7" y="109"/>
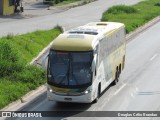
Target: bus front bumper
<point x="86" y="98"/>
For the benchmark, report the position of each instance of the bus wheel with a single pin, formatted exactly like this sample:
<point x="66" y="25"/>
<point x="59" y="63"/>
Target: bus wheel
<point x="119" y="71"/>
<point x="98" y="94"/>
<point x="116" y="78"/>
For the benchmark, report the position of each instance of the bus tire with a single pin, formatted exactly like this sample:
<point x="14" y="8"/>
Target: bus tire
<point x="116" y="78"/>
<point x="120" y="69"/>
<point x="98" y="94"/>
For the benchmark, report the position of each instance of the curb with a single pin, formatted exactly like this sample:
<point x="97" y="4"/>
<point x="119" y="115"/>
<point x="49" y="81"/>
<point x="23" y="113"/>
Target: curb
<point x="44" y="51"/>
<point x="72" y="5"/>
<point x="14" y="106"/>
<point x="141" y="29"/>
<point x="42" y="89"/>
<point x="69" y="6"/>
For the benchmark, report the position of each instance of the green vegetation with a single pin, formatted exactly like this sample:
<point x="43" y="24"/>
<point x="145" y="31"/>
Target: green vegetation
<point x="157" y="4"/>
<point x="133" y="16"/>
<point x="31" y="44"/>
<point x="61" y="2"/>
<point x="64" y="2"/>
<point x="16" y="77"/>
<point x="122" y="9"/>
<point x="81" y="2"/>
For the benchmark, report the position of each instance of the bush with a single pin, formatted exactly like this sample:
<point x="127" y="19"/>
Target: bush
<point x="30" y="44"/>
<point x="10" y="60"/>
<point x="16" y="82"/>
<point x="9" y="36"/>
<point x="121" y="9"/>
<point x="16" y="77"/>
<point x="30" y="74"/>
<point x="157" y="4"/>
<point x="133" y="16"/>
<point x="57" y="1"/>
<point x="11" y="91"/>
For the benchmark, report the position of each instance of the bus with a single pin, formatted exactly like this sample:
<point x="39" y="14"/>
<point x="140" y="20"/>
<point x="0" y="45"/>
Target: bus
<point x="84" y="61"/>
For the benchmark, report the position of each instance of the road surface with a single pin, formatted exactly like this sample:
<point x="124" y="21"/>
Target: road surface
<point x="68" y="19"/>
<point x="137" y="90"/>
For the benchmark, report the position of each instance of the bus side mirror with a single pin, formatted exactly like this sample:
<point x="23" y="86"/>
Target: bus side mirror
<point x="44" y="62"/>
<point x="94" y="63"/>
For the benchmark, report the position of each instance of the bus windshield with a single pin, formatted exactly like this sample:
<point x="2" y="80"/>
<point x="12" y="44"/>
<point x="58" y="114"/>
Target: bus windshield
<point x="70" y="68"/>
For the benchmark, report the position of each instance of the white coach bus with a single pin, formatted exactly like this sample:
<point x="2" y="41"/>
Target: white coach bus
<point x="84" y="61"/>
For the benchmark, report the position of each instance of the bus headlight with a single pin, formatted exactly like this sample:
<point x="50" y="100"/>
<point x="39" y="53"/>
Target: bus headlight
<point x="49" y="89"/>
<point x="88" y="90"/>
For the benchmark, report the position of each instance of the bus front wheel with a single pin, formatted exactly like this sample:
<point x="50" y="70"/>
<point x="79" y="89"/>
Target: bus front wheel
<point x="98" y="94"/>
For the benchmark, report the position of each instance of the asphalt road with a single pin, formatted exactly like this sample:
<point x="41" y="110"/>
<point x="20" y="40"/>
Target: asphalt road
<point x="68" y="19"/>
<point x="137" y="90"/>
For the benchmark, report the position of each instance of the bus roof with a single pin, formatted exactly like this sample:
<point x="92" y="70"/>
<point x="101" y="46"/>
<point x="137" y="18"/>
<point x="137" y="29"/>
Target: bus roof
<point x="84" y="38"/>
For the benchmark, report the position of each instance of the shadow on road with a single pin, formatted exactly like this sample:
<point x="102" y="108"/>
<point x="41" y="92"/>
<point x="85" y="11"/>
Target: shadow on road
<point x="39" y="5"/>
<point x="72" y="106"/>
<point x="35" y="6"/>
<point x="15" y="16"/>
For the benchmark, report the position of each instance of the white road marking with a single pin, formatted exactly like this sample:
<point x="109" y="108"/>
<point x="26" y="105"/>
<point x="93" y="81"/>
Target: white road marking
<point x="120" y="89"/>
<point x="153" y="57"/>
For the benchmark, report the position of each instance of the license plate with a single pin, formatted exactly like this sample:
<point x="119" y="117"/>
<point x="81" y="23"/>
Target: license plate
<point x="68" y="99"/>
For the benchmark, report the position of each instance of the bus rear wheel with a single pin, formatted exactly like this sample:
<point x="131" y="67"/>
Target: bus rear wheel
<point x="116" y="78"/>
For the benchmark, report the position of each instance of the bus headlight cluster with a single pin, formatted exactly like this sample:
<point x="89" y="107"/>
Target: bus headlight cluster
<point x="87" y="91"/>
<point x="49" y="89"/>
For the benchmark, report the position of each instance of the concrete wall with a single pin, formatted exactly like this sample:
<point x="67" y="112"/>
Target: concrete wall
<point x="7" y="10"/>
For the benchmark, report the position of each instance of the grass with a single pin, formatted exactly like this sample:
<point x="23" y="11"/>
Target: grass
<point x="16" y="76"/>
<point x="66" y="2"/>
<point x="133" y="16"/>
<point x="31" y="44"/>
<point x="61" y="2"/>
<point x="12" y="88"/>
